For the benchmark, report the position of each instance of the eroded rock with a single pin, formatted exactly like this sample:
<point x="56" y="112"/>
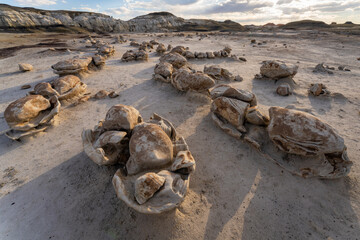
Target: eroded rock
<point x="218" y="73"/>
<point x="277" y="70"/>
<point x="147" y="185"/>
<point x="174" y="59"/>
<point x="163" y="72"/>
<point x="30" y="114"/>
<point x="284" y="90"/>
<point x="184" y="80"/>
<point x="72" y="66"/>
<point x="300" y="133"/>
<point x="25" y="67"/>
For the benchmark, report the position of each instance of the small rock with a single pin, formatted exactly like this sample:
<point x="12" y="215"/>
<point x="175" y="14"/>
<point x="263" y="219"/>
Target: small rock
<point x="101" y="94"/>
<point x="321" y="69"/>
<point x="238" y="78"/>
<point x="317" y="89"/>
<point x="253" y="40"/>
<point x="113" y="94"/>
<point x="27" y="86"/>
<point x="24" y="67"/>
<point x="284" y="90"/>
<point x="242" y="59"/>
<point x="82" y="100"/>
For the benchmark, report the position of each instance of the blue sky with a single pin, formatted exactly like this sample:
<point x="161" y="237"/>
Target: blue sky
<point x="242" y="11"/>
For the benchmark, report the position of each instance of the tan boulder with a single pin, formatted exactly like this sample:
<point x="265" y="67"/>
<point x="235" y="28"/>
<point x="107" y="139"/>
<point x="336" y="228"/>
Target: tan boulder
<point x="25" y="67"/>
<point x="277" y="70"/>
<point x="150" y="148"/>
<point x="184" y="80"/>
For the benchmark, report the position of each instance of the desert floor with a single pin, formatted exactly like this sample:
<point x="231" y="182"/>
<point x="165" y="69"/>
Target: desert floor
<point x="49" y="189"/>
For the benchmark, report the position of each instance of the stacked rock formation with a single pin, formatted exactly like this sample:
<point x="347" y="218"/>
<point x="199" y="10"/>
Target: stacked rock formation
<point x="294" y="140"/>
<point x="154" y="155"/>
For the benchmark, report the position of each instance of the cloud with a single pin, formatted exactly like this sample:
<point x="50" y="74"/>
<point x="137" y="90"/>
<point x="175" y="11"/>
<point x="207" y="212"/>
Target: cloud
<point x="280" y="2"/>
<point x="335" y="6"/>
<point x="36" y="2"/>
<point x="181" y="2"/>
<point x="327" y="7"/>
<point x="236" y="6"/>
<point x="118" y="11"/>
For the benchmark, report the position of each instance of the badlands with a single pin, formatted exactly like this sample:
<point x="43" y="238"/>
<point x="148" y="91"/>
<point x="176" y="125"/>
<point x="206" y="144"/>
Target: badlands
<point x="50" y="188"/>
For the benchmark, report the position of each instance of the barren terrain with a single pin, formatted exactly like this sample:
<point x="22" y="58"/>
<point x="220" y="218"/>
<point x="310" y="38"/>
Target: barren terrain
<point x="49" y="189"/>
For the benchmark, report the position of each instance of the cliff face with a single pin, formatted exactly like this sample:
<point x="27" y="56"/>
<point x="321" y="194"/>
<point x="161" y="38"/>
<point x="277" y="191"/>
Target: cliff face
<point x="29" y="18"/>
<point x="26" y="19"/>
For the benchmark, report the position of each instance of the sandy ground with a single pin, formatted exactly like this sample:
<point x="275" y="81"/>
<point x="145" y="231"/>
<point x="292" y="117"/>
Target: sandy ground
<point x="49" y="189"/>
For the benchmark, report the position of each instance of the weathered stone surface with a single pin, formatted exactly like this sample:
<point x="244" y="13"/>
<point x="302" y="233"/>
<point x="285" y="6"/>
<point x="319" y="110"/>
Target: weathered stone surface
<point x="318" y="89"/>
<point x="25" y="109"/>
<point x="179" y="49"/>
<point x="45" y="89"/>
<point x="24" y="67"/>
<point x="300" y="133"/>
<point x="321" y="69"/>
<point x="72" y="66"/>
<point x="232" y="110"/>
<point x="256" y="117"/>
<point x="225" y="90"/>
<point x="107" y="148"/>
<point x="106" y="50"/>
<point x="150" y="148"/>
<point x="218" y="73"/>
<point x="184" y="79"/>
<point x="284" y="90"/>
<point x="277" y="69"/>
<point x="99" y="60"/>
<point x="132" y="55"/>
<point x="189" y="55"/>
<point x="161" y="49"/>
<point x="175" y="59"/>
<point x="30" y="114"/>
<point x="317" y="149"/>
<point x="101" y="94"/>
<point x="165" y="70"/>
<point x="147" y="185"/>
<point x="184" y="162"/>
<point x="121" y="118"/>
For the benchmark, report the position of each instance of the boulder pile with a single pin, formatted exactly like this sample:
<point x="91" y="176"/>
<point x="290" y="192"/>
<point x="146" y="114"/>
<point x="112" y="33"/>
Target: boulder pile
<point x="157" y="161"/>
<point x="296" y="141"/>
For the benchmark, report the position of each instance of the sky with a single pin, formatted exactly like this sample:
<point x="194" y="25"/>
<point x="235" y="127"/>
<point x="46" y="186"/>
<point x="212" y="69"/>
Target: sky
<point x="242" y="11"/>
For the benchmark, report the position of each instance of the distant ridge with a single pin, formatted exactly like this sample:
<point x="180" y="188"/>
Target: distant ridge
<point x="17" y="19"/>
<point x="306" y="24"/>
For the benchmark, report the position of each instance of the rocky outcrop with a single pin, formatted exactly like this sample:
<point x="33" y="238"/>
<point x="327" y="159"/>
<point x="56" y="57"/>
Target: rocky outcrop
<point x="28" y="19"/>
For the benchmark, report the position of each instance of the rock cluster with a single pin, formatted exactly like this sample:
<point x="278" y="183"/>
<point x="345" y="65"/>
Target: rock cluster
<point x="80" y="65"/>
<point x="173" y="68"/>
<point x="294" y="140"/>
<point x="157" y="161"/>
<point x="231" y="107"/>
<point x="131" y="55"/>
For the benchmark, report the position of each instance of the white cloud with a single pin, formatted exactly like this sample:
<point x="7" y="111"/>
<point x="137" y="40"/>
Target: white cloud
<point x="36" y="2"/>
<point x="245" y="11"/>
